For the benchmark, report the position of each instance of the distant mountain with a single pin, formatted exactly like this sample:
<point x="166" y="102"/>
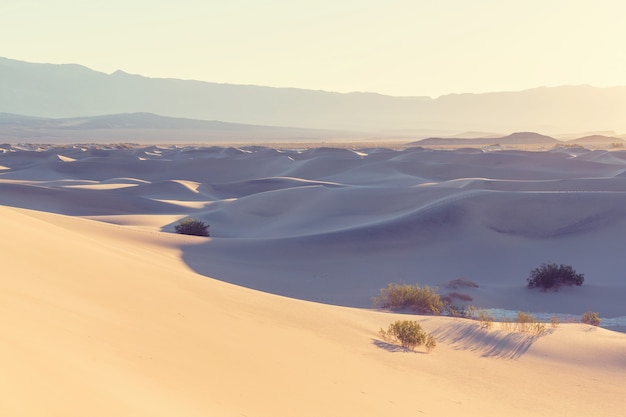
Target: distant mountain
<point x="525" y="138"/>
<point x="147" y="127"/>
<point x="596" y="140"/>
<point x="66" y="91"/>
<point x="518" y="138"/>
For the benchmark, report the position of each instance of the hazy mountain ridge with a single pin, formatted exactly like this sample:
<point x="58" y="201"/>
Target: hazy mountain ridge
<point x="152" y="128"/>
<point x="65" y="91"/>
<point x="520" y="138"/>
<point x="149" y="128"/>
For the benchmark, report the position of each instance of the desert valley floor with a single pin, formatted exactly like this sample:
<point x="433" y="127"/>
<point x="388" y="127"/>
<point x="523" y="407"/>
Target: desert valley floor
<point x="104" y="310"/>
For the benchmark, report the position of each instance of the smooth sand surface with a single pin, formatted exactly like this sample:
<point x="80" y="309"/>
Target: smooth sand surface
<point x="105" y="312"/>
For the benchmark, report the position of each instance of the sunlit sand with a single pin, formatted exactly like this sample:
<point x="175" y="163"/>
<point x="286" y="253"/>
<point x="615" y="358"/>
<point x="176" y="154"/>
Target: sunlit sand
<point x="105" y="311"/>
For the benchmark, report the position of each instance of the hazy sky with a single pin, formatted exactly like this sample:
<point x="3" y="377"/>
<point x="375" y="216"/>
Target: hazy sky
<point x="397" y="47"/>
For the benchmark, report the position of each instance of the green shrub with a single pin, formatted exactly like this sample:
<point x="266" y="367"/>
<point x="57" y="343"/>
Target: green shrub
<point x="590" y="317"/>
<point x="409" y="334"/>
<point x="424" y="300"/>
<point x="191" y="226"/>
<point x="550" y="276"/>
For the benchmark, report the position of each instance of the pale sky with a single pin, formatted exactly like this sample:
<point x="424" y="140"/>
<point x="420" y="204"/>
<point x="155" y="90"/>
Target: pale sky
<point x="395" y="47"/>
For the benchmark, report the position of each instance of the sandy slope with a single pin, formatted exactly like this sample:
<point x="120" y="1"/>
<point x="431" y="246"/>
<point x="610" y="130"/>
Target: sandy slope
<point x="335" y="225"/>
<point x="102" y="320"/>
<point x="104" y="314"/>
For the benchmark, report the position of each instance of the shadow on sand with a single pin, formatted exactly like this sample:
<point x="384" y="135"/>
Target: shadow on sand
<point x="390" y="347"/>
<point x="489" y="343"/>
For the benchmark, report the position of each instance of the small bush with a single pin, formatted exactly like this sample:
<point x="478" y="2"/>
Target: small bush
<point x="430" y="343"/>
<point x="526" y="323"/>
<point x="456" y="311"/>
<point x="550" y="276"/>
<point x="409" y="334"/>
<point x="471" y="312"/>
<point x="590" y="317"/>
<point x="424" y="300"/>
<point x="192" y="226"/>
<point x="486" y="319"/>
<point x="554" y="322"/>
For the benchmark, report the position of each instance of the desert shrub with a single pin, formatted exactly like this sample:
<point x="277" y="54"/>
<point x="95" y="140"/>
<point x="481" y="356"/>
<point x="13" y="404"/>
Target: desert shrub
<point x="554" y="322"/>
<point x="430" y="343"/>
<point x="409" y="334"/>
<point x="471" y="312"/>
<point x="191" y="226"/>
<point x="424" y="300"/>
<point x="456" y="311"/>
<point x="486" y="319"/>
<point x="526" y="323"/>
<point x="590" y="317"/>
<point x="550" y="276"/>
<point x="461" y="283"/>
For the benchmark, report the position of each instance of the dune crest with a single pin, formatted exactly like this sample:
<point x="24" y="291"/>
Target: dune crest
<point x="104" y="311"/>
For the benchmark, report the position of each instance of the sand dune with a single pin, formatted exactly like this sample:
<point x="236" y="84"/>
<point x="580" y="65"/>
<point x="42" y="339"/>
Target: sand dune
<point x="105" y="312"/>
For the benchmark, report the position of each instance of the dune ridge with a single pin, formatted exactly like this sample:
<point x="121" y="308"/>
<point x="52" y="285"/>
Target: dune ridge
<point x="303" y="219"/>
<point x="105" y="311"/>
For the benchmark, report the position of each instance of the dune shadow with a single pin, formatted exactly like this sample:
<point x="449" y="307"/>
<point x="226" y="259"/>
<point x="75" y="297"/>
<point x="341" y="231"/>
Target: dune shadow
<point x="390" y="347"/>
<point x="489" y="343"/>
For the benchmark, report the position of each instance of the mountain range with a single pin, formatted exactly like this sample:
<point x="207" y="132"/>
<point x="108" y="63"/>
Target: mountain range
<point x="73" y="91"/>
<point x="150" y="128"/>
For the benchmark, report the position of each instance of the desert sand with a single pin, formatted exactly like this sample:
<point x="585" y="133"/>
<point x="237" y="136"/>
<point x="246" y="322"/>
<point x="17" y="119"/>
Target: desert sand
<point x="105" y="311"/>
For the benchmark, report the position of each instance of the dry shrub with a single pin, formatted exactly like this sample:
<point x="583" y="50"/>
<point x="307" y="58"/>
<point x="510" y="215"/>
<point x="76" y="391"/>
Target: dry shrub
<point x="590" y="317"/>
<point x="409" y="334"/>
<point x="486" y="319"/>
<point x="525" y="323"/>
<point x="424" y="300"/>
<point x="554" y="322"/>
<point x="431" y="342"/>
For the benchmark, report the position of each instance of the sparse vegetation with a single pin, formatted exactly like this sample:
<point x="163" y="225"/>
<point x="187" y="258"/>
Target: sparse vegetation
<point x="554" y="322"/>
<point x="191" y="226"/>
<point x="456" y="311"/>
<point x="450" y="299"/>
<point x="590" y="317"/>
<point x="550" y="276"/>
<point x="423" y="300"/>
<point x="526" y="323"/>
<point x="409" y="334"/>
<point x="486" y="319"/>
